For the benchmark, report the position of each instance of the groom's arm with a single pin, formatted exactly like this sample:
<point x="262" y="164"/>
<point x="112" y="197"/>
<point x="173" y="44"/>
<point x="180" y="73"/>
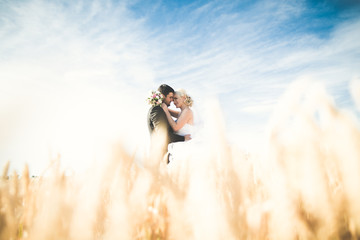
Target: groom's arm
<point x="176" y="138"/>
<point x="159" y="120"/>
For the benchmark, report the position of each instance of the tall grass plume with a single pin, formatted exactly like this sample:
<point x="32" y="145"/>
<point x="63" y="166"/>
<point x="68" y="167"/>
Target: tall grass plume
<point x="304" y="186"/>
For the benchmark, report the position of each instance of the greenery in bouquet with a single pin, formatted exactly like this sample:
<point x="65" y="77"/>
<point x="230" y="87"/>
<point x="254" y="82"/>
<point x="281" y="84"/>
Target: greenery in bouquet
<point x="155" y="98"/>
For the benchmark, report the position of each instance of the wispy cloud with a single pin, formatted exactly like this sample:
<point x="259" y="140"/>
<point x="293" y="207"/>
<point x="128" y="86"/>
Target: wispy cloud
<point x="79" y="70"/>
<point x="250" y="55"/>
<point x="61" y="58"/>
<point x="254" y="49"/>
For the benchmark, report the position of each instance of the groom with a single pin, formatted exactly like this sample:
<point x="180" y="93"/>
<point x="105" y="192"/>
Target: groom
<point x="157" y="120"/>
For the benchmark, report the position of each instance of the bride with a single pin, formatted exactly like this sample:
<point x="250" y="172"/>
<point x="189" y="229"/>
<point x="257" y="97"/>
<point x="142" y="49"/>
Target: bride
<point x="184" y="118"/>
<point x="183" y="125"/>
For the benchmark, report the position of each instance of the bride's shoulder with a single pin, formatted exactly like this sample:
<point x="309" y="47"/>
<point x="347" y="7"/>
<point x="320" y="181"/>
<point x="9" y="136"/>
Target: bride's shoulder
<point x="188" y="111"/>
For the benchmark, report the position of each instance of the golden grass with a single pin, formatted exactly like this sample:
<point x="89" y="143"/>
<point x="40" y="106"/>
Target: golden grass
<point x="305" y="186"/>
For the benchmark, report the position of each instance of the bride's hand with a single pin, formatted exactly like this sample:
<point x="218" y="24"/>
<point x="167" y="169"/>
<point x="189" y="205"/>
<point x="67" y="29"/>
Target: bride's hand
<point x="164" y="106"/>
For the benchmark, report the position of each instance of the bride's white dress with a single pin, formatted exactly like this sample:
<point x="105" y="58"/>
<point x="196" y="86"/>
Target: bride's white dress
<point x="187" y="157"/>
<point x="185" y="130"/>
<point x="178" y="150"/>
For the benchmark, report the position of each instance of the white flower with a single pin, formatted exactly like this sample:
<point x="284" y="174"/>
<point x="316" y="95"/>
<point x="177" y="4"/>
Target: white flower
<point x="155" y="98"/>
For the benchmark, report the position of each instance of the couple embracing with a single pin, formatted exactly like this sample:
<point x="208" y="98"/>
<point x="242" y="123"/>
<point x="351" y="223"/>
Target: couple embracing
<point x="161" y="118"/>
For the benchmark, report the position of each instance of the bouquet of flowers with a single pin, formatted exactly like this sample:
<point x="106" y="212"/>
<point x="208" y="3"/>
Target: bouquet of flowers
<point x="156" y="98"/>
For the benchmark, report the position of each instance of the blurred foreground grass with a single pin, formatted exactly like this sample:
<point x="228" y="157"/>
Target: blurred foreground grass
<point x="306" y="185"/>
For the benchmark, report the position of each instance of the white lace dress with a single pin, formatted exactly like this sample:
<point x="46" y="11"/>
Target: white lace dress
<point x="185" y="130"/>
<point x="178" y="150"/>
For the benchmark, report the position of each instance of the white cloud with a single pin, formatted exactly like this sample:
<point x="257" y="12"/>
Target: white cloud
<point x="258" y="108"/>
<point x="70" y="80"/>
<point x="95" y="61"/>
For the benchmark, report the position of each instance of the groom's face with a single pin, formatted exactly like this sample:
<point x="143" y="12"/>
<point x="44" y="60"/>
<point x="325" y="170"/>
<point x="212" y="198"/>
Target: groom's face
<point x="169" y="98"/>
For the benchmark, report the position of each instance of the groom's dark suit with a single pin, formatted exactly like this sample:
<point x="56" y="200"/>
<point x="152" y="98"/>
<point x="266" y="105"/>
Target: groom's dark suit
<point x="157" y="120"/>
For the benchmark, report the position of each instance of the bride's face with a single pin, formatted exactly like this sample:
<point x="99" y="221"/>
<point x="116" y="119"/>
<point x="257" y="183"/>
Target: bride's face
<point x="178" y="101"/>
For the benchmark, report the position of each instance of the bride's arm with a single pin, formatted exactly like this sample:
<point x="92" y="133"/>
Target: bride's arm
<point x="184" y="117"/>
<point x="174" y="113"/>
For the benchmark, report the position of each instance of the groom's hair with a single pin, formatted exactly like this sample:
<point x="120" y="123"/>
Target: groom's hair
<point x="165" y="89"/>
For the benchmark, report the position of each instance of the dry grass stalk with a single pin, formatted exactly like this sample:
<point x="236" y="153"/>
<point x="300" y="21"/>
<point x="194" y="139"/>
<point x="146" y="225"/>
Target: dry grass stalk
<point x="304" y="187"/>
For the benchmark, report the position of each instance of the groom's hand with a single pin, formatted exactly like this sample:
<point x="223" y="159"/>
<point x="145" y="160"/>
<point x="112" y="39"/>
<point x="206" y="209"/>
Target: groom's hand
<point x="187" y="137"/>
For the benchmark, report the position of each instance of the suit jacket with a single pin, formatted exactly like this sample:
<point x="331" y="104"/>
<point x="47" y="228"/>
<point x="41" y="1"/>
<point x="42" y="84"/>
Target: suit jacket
<point x="157" y="119"/>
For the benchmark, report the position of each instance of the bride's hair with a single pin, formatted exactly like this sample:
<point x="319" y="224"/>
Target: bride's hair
<point x="182" y="93"/>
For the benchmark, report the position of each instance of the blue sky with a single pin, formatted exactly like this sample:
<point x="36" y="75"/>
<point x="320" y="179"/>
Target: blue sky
<point x="72" y="73"/>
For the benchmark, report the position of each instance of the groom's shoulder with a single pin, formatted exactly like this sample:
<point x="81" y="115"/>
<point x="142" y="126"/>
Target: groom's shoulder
<point x="155" y="109"/>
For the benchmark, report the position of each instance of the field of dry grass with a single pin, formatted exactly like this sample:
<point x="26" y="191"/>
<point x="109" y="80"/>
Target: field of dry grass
<point x="306" y="185"/>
